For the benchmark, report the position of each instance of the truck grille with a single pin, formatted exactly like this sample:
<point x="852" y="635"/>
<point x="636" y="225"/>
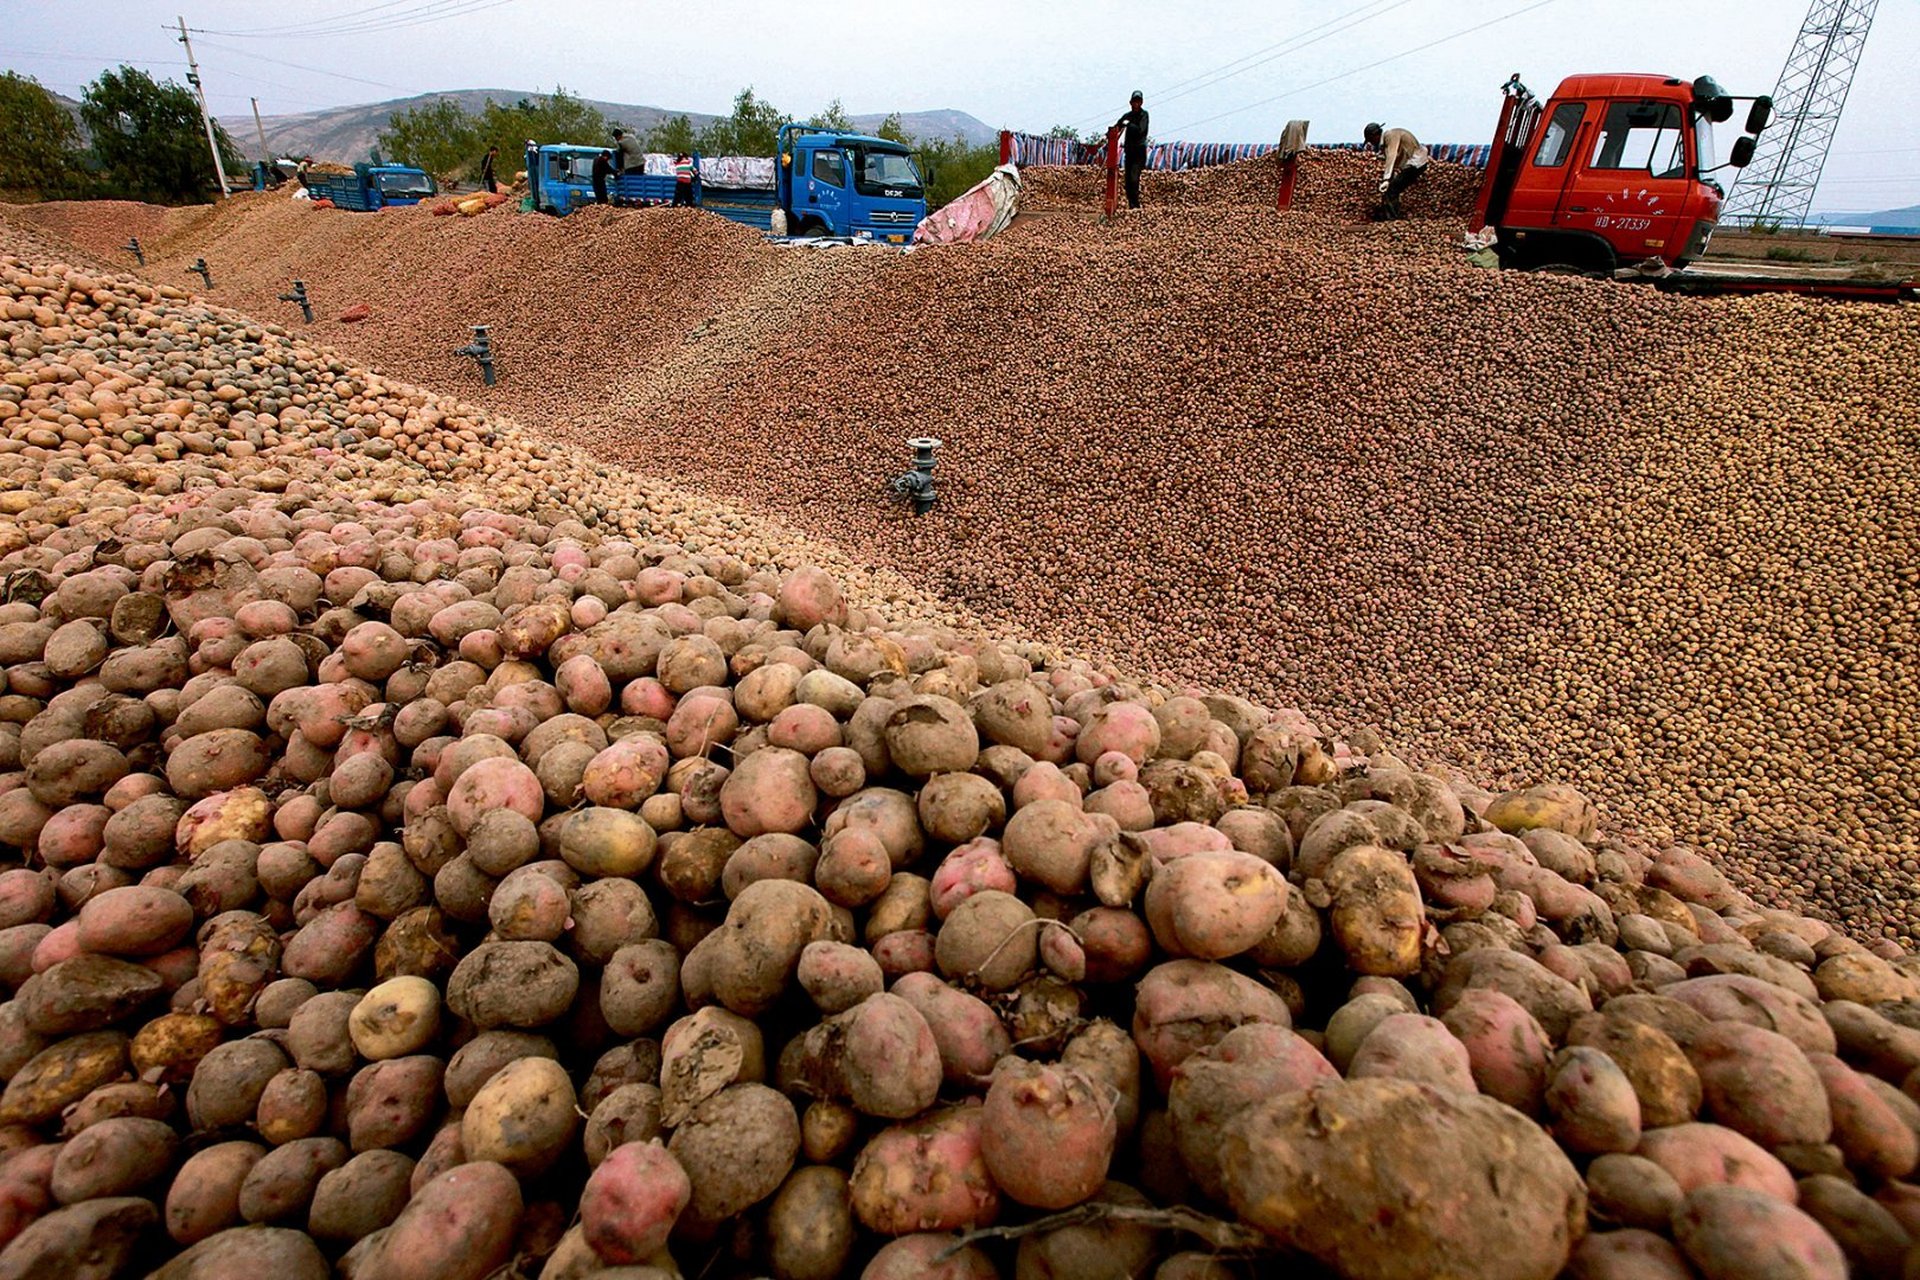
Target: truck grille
<point x="893" y="218"/>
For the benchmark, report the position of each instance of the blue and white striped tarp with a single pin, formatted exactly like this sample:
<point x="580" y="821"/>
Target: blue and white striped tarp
<point x="1176" y="156"/>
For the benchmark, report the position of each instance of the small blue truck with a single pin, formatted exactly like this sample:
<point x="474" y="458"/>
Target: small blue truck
<point x="374" y="186"/>
<point x="560" y="177"/>
<point x="825" y="184"/>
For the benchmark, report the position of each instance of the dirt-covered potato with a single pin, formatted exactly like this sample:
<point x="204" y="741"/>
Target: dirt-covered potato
<point x="1315" y="1170"/>
<point x="736" y="1147"/>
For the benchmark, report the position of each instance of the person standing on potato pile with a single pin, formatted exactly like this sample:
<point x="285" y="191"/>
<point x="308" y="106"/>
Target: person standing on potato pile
<point x="1133" y="145"/>
<point x="683" y="172"/>
<point x="602" y="170"/>
<point x="486" y="170"/>
<point x="1406" y="162"/>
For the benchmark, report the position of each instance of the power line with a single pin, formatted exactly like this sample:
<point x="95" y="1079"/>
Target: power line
<point x="1404" y="53"/>
<point x="299" y="66"/>
<point x="431" y="12"/>
<point x="1284" y="52"/>
<point x="312" y="22"/>
<point x="1292" y="44"/>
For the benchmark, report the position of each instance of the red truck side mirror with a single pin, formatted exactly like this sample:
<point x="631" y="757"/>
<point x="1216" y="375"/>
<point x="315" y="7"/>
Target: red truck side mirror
<point x="1742" y="153"/>
<point x="1759" y="115"/>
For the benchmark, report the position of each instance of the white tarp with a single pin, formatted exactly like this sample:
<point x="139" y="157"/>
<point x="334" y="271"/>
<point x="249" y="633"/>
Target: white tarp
<point x="752" y="173"/>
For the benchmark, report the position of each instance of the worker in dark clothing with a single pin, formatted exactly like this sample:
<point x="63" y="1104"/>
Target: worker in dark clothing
<point x="1133" y="146"/>
<point x="602" y="170"/>
<point x="683" y="175"/>
<point x="486" y="170"/>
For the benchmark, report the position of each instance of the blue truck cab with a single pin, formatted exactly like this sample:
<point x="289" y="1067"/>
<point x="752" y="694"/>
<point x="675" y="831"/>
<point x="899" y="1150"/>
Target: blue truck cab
<point x="374" y="186"/>
<point x="561" y="179"/>
<point x="848" y="184"/>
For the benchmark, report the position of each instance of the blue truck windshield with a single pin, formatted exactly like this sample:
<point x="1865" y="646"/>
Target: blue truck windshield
<point x="886" y="173"/>
<point x="405" y="186"/>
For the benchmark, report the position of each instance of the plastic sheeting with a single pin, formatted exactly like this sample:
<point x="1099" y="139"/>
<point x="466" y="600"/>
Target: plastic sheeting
<point x="740" y="173"/>
<point x="983" y="211"/>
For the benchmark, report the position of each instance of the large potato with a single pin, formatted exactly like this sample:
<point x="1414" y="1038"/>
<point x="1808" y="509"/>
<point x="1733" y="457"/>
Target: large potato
<point x="522" y="1118"/>
<point x="1489" y="1195"/>
<point x="737" y="1147"/>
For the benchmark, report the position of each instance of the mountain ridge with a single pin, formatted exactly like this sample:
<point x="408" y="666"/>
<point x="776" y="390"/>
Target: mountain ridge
<point x="348" y="133"/>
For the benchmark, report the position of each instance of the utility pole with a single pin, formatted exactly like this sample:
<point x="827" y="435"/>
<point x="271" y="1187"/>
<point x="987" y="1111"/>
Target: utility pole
<point x="193" y="78"/>
<point x="260" y="129"/>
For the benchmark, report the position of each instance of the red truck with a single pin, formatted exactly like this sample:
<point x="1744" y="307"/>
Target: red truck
<point x="1611" y="171"/>
<point x="1614" y="170"/>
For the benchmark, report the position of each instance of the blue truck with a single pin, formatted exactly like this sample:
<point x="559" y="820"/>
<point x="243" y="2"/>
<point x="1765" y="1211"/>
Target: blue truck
<point x="374" y="186"/>
<point x="560" y="180"/>
<point x="825" y="183"/>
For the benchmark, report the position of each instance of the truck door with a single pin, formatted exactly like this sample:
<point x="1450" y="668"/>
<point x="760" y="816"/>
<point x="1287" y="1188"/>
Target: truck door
<point x="1534" y="203"/>
<point x="826" y="200"/>
<point x="1633" y="179"/>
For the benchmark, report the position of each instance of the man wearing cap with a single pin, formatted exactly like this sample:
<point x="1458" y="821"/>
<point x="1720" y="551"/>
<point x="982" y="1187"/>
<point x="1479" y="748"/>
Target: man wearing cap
<point x="1134" y="145"/>
<point x="1406" y="161"/>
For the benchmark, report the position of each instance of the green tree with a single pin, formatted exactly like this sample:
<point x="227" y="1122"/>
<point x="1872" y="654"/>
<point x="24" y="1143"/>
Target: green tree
<point x="834" y="118"/>
<point x="555" y="117"/>
<point x="37" y="138"/>
<point x="672" y="136"/>
<point x="892" y="130"/>
<point x="148" y="142"/>
<point x="752" y="130"/>
<point x="440" y="137"/>
<point x="1063" y="131"/>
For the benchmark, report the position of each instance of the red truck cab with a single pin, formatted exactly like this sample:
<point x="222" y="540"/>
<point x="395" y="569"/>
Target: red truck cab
<point x="1611" y="170"/>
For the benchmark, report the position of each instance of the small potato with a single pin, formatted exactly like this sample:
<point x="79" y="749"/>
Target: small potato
<point x="631" y="1202"/>
<point x="112" y="1158"/>
<point x="391" y="1102"/>
<point x="929" y="1256"/>
<point x="93" y="1240"/>
<point x="205" y="1195"/>
<point x="1506" y="1049"/>
<point x="1377" y="916"/>
<point x="280" y="1185"/>
<point x="737" y="1147"/>
<point x="810" y="1226"/>
<point x="460" y="1225"/>
<point x="640" y="987"/>
<point x="1631" y="1191"/>
<point x="361" y="1196"/>
<point x="1732" y="1233"/>
<point x="837" y="976"/>
<point x="399" y="1017"/>
<point x="969" y="1035"/>
<point x="1759" y="1083"/>
<point x="926" y="1173"/>
<point x="512" y="984"/>
<point x="1183" y="1006"/>
<point x="1214" y="905"/>
<point x="1700" y="1155"/>
<point x="1047" y="1134"/>
<point x="522" y="1117"/>
<point x="1591" y="1104"/>
<point x="989" y="938"/>
<point x="631" y="1113"/>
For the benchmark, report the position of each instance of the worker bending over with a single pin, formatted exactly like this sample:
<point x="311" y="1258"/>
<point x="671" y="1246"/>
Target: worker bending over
<point x="1406" y="161"/>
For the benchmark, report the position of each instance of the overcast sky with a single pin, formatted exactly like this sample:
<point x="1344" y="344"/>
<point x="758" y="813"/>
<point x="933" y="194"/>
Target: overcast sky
<point x="1012" y="64"/>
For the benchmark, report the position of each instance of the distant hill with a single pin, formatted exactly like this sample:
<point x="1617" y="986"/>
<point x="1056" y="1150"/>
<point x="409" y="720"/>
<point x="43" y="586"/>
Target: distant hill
<point x="347" y="134"/>
<point x="1907" y="217"/>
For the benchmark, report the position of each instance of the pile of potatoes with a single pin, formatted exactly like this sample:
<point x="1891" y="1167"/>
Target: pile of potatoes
<point x="403" y="886"/>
